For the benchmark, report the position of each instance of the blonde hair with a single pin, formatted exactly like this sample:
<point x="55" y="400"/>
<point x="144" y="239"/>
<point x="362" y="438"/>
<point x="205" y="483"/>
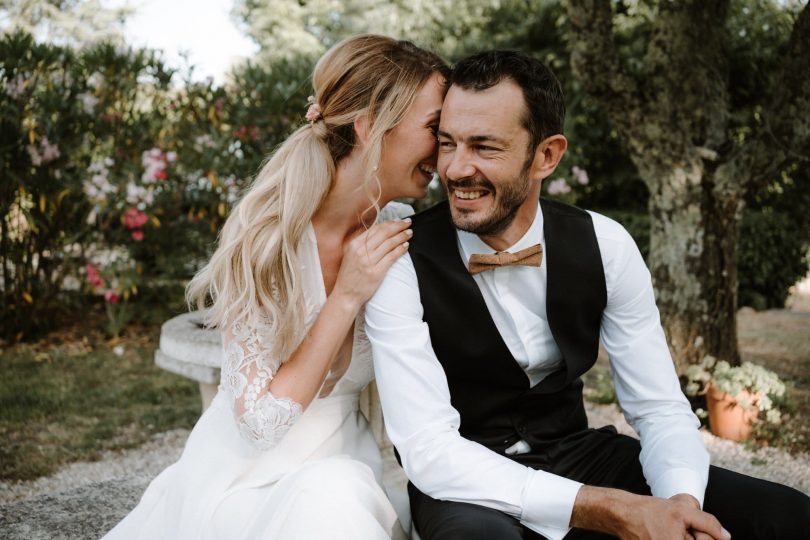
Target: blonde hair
<point x="254" y="273"/>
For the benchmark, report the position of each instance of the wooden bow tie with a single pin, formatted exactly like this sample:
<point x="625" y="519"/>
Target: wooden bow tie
<point x="531" y="256"/>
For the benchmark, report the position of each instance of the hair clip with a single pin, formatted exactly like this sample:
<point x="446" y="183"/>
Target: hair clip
<point x="314" y="111"/>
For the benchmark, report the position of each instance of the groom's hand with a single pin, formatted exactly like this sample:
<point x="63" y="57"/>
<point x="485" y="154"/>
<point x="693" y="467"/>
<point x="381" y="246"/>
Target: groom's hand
<point x="642" y="517"/>
<point x="690" y="500"/>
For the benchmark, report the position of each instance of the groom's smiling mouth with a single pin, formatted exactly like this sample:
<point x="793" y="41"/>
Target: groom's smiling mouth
<point x="467" y="192"/>
<point x="469" y="195"/>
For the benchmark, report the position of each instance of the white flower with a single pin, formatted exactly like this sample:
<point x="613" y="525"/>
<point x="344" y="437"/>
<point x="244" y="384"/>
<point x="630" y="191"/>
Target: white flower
<point x="36" y="158"/>
<point x="98" y="186"/>
<point x="95" y="80"/>
<point x="154" y="165"/>
<point x="558" y="187"/>
<point x="46" y="152"/>
<point x="49" y="151"/>
<point x="139" y="195"/>
<point x="15" y="87"/>
<point x="203" y="142"/>
<point x="89" y="102"/>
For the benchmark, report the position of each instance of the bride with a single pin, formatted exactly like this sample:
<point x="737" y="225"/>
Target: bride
<point x="282" y="452"/>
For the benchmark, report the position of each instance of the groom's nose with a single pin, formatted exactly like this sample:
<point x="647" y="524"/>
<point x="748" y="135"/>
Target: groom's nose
<point x="459" y="163"/>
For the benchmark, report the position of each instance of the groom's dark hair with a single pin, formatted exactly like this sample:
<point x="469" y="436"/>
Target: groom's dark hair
<point x="542" y="92"/>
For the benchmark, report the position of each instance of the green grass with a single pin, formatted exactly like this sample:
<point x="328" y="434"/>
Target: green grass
<point x="70" y="402"/>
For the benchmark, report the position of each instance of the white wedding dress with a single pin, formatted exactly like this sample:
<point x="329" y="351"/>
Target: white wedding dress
<point x="257" y="467"/>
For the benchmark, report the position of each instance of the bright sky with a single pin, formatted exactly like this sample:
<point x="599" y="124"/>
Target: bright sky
<point x="202" y="28"/>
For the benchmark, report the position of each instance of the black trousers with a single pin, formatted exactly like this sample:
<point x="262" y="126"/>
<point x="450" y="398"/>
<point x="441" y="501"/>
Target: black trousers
<point x="747" y="507"/>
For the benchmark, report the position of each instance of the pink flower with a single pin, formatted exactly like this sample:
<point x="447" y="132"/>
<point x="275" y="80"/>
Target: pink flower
<point x="15" y="87"/>
<point x="559" y="187"/>
<point x="134" y="219"/>
<point x="245" y="133"/>
<point x="111" y="296"/>
<point x="137" y="234"/>
<point x="581" y="175"/>
<point x="94" y="277"/>
<point x="314" y="110"/>
<point x="154" y="164"/>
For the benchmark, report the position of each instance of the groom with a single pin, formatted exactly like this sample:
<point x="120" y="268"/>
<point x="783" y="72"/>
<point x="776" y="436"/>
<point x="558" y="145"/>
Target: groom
<point x="481" y="333"/>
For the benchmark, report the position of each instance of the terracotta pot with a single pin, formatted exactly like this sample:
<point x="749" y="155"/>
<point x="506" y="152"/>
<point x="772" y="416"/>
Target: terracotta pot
<point x="727" y="418"/>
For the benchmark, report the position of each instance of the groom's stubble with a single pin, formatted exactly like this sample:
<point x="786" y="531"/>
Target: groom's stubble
<point x="507" y="200"/>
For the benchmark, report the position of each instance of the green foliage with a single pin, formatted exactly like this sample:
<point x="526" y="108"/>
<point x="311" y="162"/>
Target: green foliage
<point x="75" y="22"/>
<point x="288" y="29"/>
<point x="772" y="257"/>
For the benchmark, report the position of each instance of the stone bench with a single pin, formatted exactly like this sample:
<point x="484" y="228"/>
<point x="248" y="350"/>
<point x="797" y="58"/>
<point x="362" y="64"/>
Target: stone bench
<point x="189" y="349"/>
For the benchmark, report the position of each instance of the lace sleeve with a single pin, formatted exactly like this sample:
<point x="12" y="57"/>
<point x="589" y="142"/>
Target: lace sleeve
<point x="262" y="418"/>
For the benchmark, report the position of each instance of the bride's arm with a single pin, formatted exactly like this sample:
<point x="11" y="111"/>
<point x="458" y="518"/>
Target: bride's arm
<point x="268" y="395"/>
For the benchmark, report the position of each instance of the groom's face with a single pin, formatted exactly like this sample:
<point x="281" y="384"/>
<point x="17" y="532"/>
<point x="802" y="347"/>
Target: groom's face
<point x="484" y="158"/>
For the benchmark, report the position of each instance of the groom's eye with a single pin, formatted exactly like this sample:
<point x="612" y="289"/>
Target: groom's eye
<point x="485" y="148"/>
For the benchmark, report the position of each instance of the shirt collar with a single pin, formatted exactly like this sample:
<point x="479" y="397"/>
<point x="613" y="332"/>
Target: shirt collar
<point x="470" y="243"/>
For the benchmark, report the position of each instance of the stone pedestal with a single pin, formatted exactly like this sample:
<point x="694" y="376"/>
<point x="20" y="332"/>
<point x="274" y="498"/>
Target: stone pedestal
<point x="190" y="349"/>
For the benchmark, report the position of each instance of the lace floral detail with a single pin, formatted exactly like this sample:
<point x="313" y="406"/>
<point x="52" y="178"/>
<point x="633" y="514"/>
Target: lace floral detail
<point x="262" y="418"/>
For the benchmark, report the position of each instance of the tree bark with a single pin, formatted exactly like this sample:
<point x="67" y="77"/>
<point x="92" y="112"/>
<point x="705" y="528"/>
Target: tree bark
<point x="674" y="121"/>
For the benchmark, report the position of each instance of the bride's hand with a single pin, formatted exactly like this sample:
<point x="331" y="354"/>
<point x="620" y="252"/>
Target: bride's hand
<point x="368" y="257"/>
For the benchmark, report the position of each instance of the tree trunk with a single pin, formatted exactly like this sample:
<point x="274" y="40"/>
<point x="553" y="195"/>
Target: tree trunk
<point x="674" y="118"/>
<point x="693" y="261"/>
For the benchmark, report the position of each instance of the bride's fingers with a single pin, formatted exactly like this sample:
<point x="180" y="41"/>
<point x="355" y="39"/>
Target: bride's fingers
<point x="390" y="244"/>
<point x="392" y="256"/>
<point x="381" y="232"/>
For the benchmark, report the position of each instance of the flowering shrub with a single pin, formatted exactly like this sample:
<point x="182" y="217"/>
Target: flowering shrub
<point x="107" y="151"/>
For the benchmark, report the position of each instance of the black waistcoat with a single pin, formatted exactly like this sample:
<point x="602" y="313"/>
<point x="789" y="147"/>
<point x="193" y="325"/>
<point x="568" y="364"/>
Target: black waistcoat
<point x="487" y="386"/>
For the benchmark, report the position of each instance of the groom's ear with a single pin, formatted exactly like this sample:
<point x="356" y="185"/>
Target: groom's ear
<point x="547" y="156"/>
<point x="362" y="128"/>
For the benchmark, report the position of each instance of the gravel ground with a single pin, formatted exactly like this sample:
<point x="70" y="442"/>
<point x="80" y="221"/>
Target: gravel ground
<point x="139" y="464"/>
<point x="766" y="463"/>
<point x="143" y="463"/>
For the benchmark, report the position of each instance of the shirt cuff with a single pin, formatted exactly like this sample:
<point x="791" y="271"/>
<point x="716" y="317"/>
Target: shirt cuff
<point x="547" y="502"/>
<point x="676" y="481"/>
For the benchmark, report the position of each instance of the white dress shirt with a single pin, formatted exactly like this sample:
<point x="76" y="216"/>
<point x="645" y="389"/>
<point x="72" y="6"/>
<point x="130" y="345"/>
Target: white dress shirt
<point x="423" y="425"/>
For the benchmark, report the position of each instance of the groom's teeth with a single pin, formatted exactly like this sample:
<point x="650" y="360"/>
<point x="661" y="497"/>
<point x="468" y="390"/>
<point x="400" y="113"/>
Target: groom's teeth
<point x="469" y="194"/>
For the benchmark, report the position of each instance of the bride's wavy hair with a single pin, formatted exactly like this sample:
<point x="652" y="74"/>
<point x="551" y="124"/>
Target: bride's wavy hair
<point x="254" y="275"/>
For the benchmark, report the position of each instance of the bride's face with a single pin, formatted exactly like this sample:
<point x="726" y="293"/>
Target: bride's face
<point x="409" y="150"/>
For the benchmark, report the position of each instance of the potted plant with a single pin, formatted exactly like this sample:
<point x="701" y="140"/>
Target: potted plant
<point x="736" y="396"/>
